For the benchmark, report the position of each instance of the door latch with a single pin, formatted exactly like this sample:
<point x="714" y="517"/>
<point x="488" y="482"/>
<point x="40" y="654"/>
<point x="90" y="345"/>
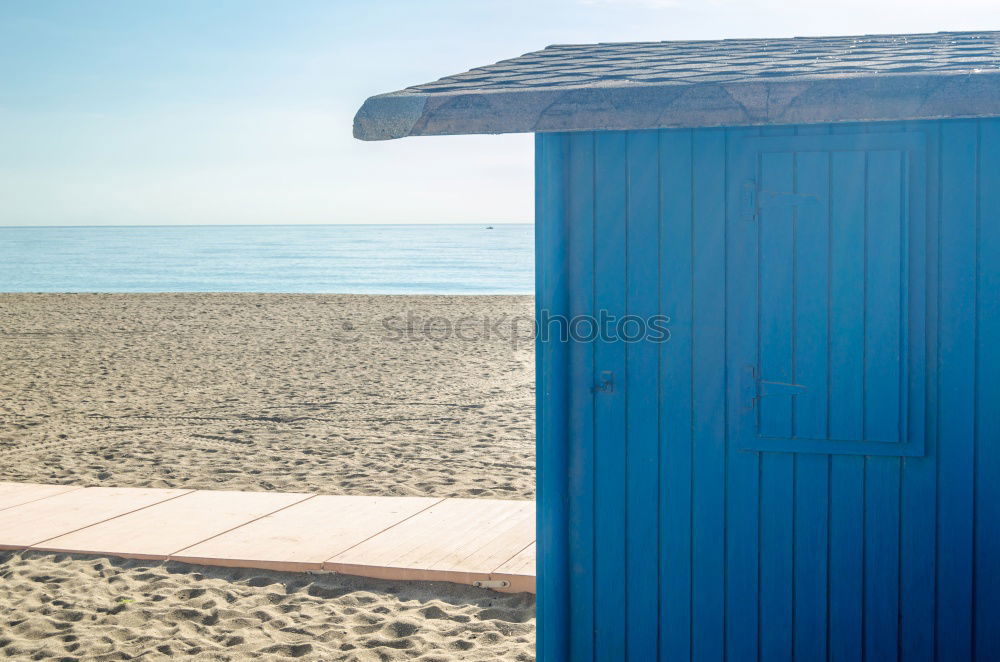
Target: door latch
<point x="606" y="384"/>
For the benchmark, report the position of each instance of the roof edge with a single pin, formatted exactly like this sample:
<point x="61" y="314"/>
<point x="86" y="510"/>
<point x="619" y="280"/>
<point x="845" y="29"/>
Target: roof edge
<point x="389" y="116"/>
<point x="883" y="97"/>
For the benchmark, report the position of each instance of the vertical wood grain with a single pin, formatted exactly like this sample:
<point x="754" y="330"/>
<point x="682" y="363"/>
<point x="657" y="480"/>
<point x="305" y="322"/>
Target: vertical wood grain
<point x="956" y="393"/>
<point x="709" y="387"/>
<point x="610" y="263"/>
<point x="641" y="387"/>
<point x="580" y="240"/>
<point x="676" y="397"/>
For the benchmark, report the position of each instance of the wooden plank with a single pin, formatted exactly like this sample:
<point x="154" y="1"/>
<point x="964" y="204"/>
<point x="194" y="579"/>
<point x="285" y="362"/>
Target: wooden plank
<point x="918" y="491"/>
<point x="580" y="238"/>
<point x="642" y="386"/>
<point x="884" y="266"/>
<point x="776" y="556"/>
<point x="551" y="394"/>
<point x="743" y="469"/>
<point x="987" y="553"/>
<point x="675" y="396"/>
<point x="883" y="291"/>
<point x="881" y="569"/>
<point x="35" y="522"/>
<point x="160" y="530"/>
<point x="811" y="272"/>
<point x="845" y="569"/>
<point x="304" y="535"/>
<point x="956" y="395"/>
<point x="459" y="540"/>
<point x="709" y="387"/>
<point x="810" y="545"/>
<point x="776" y="247"/>
<point x="847" y="283"/>
<point x="519" y="571"/>
<point x="610" y="195"/>
<point x="809" y="410"/>
<point x="14" y="494"/>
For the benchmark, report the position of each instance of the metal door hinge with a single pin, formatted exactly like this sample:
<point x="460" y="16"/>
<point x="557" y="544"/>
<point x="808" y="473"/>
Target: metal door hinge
<point x="753" y="388"/>
<point x="749" y="200"/>
<point x="748" y="386"/>
<point x="778" y="388"/>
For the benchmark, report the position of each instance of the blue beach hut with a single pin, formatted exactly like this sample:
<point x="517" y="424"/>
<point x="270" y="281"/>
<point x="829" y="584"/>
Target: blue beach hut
<point x="809" y="466"/>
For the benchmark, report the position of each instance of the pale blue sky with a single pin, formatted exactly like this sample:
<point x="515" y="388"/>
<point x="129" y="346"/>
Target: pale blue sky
<point x="239" y="111"/>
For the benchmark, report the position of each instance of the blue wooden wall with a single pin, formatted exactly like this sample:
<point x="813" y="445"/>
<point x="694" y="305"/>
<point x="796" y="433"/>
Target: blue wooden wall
<point x="661" y="536"/>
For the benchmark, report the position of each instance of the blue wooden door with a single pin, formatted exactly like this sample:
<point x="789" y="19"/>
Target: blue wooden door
<point x="829" y="287"/>
<point x="827" y="292"/>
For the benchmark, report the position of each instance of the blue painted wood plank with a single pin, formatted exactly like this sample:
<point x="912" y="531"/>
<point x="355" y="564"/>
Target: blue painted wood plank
<point x="811" y="331"/>
<point x="743" y="469"/>
<point x="776" y="556"/>
<point x="609" y="407"/>
<point x="847" y="295"/>
<point x="811" y="285"/>
<point x="956" y="392"/>
<point x="846" y="566"/>
<point x="847" y="172"/>
<point x="580" y="249"/>
<point x="987" y="533"/>
<point x="881" y="623"/>
<point x="776" y="242"/>
<point x="676" y="402"/>
<point x="709" y="328"/>
<point x="810" y="556"/>
<point x="641" y="387"/>
<point x="550" y="368"/>
<point x="883" y="321"/>
<point x="918" y="518"/>
<point x="914" y="247"/>
<point x="884" y="268"/>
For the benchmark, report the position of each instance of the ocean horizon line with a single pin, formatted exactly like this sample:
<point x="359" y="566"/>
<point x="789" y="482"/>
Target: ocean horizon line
<point x="367" y="258"/>
<point x="255" y="225"/>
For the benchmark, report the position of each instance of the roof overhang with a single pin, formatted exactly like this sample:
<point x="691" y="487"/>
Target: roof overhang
<point x="618" y="106"/>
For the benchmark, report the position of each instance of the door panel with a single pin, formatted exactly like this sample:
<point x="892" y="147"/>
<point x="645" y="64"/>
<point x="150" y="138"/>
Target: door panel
<point x="834" y="361"/>
<point x="847" y="287"/>
<point x="775" y="246"/>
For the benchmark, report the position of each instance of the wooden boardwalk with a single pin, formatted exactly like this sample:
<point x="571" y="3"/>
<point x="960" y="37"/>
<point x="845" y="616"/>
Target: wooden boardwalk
<point x="467" y="541"/>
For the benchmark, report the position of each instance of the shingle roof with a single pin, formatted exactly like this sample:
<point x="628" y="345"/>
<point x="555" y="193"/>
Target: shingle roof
<point x="731" y="82"/>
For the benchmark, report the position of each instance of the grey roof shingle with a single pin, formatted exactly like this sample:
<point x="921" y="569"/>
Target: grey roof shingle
<point x="732" y="82"/>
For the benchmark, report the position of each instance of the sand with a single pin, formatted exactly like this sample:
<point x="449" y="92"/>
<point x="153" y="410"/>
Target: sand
<point x="428" y="396"/>
<point x="63" y="607"/>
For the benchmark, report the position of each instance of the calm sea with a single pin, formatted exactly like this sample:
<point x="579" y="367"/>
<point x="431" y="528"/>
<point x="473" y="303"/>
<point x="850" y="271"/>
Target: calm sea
<point x="363" y="259"/>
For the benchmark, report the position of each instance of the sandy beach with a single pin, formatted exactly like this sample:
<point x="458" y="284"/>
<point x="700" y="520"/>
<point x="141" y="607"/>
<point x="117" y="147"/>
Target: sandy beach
<point x="393" y="395"/>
